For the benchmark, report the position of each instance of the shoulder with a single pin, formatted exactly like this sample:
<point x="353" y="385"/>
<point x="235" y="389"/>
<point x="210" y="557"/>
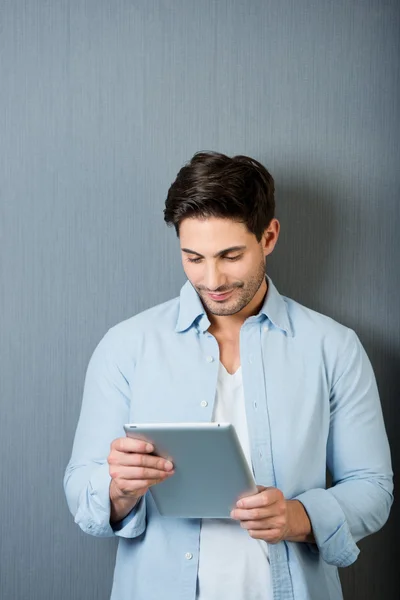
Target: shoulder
<point x="311" y="327"/>
<point x="325" y="341"/>
<point x="127" y="337"/>
<point x="163" y="315"/>
<point x="304" y="319"/>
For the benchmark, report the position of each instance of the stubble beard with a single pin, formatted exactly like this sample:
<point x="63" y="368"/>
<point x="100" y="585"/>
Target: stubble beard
<point x="246" y="292"/>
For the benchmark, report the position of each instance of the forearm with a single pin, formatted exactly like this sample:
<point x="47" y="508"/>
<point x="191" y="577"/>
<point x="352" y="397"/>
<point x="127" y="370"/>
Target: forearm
<point x="299" y="524"/>
<point x="120" y="505"/>
<point x="87" y="489"/>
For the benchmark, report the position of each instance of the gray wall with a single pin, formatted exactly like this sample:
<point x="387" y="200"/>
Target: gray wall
<point x="101" y="102"/>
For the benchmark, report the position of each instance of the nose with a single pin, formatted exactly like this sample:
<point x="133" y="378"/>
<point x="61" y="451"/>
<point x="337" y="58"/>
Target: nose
<point x="213" y="279"/>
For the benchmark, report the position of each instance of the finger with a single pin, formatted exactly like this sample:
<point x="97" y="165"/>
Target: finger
<point x="263" y="524"/>
<point x="139" y="473"/>
<point x="253" y="514"/>
<point x="127" y="444"/>
<point x="266" y="497"/>
<point x="137" y="487"/>
<point x="133" y="459"/>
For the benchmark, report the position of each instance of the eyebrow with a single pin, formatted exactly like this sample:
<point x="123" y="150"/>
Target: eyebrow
<point x="220" y="253"/>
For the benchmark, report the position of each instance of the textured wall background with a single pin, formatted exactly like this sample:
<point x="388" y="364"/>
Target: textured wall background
<point x="101" y="102"/>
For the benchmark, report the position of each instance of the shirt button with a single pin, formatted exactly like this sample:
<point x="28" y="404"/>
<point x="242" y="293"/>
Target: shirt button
<point x="265" y="328"/>
<point x="209" y="359"/>
<point x="203" y="403"/>
<point x="250" y="358"/>
<point x="188" y="556"/>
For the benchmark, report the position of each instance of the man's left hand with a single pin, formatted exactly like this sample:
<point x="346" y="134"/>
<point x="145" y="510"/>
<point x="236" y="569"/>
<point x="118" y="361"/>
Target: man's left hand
<point x="269" y="516"/>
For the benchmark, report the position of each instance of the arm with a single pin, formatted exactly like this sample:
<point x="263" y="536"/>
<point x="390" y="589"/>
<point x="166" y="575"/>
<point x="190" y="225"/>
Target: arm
<point x="105" y="408"/>
<point x="331" y="521"/>
<point x="358" y="458"/>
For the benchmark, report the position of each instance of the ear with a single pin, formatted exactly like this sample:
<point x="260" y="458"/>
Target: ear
<point x="270" y="237"/>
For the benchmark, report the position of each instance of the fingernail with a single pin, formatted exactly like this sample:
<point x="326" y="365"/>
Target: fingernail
<point x="169" y="465"/>
<point x="149" y="448"/>
<point x="239" y="504"/>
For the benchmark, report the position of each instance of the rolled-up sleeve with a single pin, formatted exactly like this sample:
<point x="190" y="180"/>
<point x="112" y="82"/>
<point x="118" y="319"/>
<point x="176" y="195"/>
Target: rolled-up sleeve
<point x="358" y="458"/>
<point x="105" y="409"/>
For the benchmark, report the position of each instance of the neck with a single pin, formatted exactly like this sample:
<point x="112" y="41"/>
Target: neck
<point x="233" y="323"/>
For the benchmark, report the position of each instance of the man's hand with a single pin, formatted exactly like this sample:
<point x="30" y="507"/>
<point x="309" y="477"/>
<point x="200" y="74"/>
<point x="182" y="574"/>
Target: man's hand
<point x="268" y="516"/>
<point x="133" y="469"/>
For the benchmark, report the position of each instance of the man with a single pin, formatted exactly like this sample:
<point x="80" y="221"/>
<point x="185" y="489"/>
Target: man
<point x="297" y="386"/>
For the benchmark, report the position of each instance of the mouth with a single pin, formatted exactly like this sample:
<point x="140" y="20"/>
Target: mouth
<point x="220" y="297"/>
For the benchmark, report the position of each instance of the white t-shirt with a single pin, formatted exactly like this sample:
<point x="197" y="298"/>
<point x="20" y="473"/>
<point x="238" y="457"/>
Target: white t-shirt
<point x="232" y="565"/>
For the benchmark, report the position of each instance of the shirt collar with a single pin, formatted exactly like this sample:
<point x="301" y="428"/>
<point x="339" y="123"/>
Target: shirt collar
<point x="276" y="310"/>
<point x="191" y="309"/>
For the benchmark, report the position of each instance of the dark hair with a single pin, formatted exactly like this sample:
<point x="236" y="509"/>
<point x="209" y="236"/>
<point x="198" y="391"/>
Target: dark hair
<point x="214" y="185"/>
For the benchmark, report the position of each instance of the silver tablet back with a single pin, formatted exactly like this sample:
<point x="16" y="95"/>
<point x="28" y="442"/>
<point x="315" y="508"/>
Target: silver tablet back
<point x="211" y="471"/>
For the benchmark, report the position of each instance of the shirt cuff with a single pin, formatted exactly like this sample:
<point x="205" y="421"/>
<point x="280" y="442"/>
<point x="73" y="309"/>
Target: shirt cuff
<point x="93" y="514"/>
<point x="134" y="523"/>
<point x="330" y="528"/>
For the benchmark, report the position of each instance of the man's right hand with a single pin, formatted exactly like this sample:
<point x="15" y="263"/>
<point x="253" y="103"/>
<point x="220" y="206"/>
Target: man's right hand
<point x="133" y="469"/>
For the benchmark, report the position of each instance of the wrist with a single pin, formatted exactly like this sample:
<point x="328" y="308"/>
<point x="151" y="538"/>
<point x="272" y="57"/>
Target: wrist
<point x="120" y="504"/>
<point x="299" y="524"/>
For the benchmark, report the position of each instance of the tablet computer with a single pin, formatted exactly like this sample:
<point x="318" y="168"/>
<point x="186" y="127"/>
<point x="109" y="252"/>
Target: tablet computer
<point x="211" y="470"/>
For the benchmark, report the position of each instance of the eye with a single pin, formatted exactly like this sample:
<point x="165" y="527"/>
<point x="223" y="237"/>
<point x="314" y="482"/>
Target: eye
<point x="194" y="260"/>
<point x="233" y="258"/>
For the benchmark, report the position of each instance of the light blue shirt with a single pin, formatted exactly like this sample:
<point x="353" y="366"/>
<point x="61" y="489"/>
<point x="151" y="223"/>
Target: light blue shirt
<point x="311" y="402"/>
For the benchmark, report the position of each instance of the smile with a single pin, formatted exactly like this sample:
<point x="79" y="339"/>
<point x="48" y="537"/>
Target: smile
<point x="220" y="297"/>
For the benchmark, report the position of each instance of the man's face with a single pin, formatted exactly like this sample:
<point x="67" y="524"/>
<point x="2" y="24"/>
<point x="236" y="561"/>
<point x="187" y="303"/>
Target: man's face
<point x="223" y="261"/>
